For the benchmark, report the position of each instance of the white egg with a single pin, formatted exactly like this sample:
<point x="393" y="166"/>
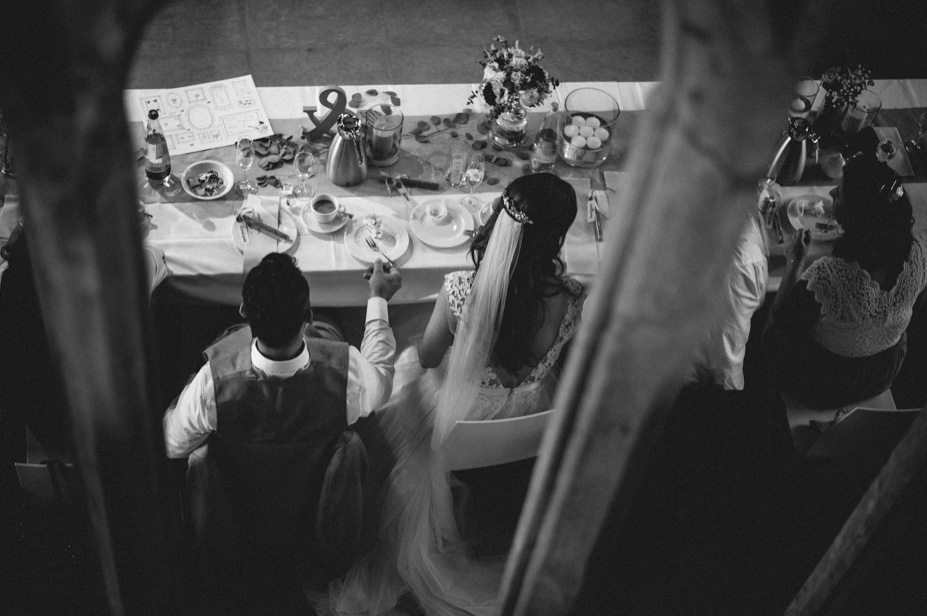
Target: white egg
<point x="601" y="133"/>
<point x="593" y="143"/>
<point x="579" y="120"/>
<point x="593" y="122"/>
<point x="578" y="141"/>
<point x="586" y="131"/>
<point x="571" y="130"/>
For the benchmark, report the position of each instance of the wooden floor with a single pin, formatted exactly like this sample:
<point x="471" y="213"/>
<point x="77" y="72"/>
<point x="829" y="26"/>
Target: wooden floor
<point x="351" y="42"/>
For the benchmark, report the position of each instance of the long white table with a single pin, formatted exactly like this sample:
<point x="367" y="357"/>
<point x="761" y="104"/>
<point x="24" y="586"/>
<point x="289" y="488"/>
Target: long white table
<point x="204" y="262"/>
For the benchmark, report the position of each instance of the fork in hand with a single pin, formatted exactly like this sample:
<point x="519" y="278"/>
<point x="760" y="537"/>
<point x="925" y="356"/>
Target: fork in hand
<point x="374" y="247"/>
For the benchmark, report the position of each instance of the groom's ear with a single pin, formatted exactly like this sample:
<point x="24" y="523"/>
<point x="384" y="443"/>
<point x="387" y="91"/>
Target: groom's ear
<point x="242" y="311"/>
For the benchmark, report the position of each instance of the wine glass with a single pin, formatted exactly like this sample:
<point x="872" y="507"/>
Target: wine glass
<point x="918" y="145"/>
<point x="244" y="155"/>
<point x="476" y="169"/>
<point x="302" y="164"/>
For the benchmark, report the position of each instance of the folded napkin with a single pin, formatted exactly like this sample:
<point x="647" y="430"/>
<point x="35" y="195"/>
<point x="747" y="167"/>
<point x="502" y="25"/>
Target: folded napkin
<point x="256" y="244"/>
<point x="580" y="250"/>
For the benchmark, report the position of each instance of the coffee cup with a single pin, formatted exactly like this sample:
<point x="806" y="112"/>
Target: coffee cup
<point x="436" y="211"/>
<point x="324" y="207"/>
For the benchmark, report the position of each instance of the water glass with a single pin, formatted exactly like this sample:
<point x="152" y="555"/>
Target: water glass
<point x="382" y="134"/>
<point x="244" y="155"/>
<point x="860" y="114"/>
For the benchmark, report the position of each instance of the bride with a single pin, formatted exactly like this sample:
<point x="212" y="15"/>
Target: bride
<point x="490" y="351"/>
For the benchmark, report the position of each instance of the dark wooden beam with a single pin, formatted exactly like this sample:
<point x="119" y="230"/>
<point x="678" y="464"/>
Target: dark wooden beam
<point x="696" y="161"/>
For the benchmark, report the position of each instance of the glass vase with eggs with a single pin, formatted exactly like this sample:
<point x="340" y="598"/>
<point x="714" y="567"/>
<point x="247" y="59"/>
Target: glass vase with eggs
<point x="587" y="127"/>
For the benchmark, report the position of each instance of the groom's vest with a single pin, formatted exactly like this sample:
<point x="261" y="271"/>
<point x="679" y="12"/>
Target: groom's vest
<point x="274" y="438"/>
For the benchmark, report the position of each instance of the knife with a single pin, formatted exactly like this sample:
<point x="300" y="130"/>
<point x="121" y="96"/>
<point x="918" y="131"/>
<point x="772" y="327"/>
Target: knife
<point x="258" y="224"/>
<point x="593" y="209"/>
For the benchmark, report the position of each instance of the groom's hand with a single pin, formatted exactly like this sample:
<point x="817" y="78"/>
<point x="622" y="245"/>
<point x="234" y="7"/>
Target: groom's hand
<point x="383" y="283"/>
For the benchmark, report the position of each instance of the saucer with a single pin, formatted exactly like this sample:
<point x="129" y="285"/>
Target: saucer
<point x="446" y="233"/>
<point x="313" y="224"/>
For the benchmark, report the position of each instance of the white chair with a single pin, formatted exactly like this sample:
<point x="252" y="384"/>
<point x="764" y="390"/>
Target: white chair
<point x="864" y="433"/>
<point x="475" y="444"/>
<point x="805" y="422"/>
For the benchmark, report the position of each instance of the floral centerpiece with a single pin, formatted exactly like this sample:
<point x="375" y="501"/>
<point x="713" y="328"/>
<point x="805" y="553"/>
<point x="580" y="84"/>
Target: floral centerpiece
<point x="512" y="80"/>
<point x="843" y="85"/>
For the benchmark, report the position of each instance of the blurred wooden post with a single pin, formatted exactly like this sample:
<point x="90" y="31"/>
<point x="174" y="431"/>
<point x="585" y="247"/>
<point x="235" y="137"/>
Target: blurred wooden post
<point x="696" y="162"/>
<point x="63" y="67"/>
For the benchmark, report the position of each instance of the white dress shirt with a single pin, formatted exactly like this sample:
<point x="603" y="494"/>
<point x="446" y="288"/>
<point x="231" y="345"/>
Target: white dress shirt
<point x="720" y="357"/>
<point x="192" y="417"/>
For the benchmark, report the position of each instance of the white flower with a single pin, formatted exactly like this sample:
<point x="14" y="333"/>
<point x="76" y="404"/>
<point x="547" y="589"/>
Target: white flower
<point x="491" y="73"/>
<point x="518" y="63"/>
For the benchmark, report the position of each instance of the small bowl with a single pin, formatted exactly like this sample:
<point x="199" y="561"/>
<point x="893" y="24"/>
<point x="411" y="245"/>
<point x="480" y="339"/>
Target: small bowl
<point x="327" y="216"/>
<point x="204" y="166"/>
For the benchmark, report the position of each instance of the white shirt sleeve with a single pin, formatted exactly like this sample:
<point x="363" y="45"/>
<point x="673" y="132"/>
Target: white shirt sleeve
<point x="370" y="370"/>
<point x="192" y="417"/>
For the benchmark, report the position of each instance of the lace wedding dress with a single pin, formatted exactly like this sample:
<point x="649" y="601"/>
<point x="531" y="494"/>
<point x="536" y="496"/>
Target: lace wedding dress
<point x="420" y="549"/>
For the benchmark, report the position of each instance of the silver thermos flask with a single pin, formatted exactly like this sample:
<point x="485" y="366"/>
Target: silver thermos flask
<point x="347" y="160"/>
<point x="788" y="164"/>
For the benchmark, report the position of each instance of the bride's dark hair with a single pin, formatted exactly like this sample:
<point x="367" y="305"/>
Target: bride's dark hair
<point x="550" y="204"/>
<point x="876" y="217"/>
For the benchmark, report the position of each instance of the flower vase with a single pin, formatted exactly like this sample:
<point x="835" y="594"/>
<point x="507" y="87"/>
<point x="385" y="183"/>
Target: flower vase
<point x="509" y="128"/>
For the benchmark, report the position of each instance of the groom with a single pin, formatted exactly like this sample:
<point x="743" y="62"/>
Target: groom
<point x="273" y="400"/>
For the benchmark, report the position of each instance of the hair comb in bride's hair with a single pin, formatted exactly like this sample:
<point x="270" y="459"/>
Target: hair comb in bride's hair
<point x="509" y="205"/>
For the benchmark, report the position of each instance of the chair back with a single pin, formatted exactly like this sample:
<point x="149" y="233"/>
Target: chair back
<point x="475" y="444"/>
<point x="864" y="433"/>
<point x="50" y="483"/>
<point x="806" y="423"/>
<point x="337" y="519"/>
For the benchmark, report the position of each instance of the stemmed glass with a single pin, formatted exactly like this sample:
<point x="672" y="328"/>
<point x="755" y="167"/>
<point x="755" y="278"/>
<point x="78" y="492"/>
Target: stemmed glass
<point x="302" y="164"/>
<point x="476" y="169"/>
<point x="918" y="145"/>
<point x="244" y="155"/>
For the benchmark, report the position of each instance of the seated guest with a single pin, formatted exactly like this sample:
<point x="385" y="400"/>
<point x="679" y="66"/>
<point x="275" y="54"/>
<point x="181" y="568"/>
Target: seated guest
<point x="719" y="357"/>
<point x="273" y="401"/>
<point x="836" y="333"/>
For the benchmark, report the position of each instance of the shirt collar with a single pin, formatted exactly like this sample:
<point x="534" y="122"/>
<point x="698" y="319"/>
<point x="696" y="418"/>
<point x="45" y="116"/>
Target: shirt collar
<point x="274" y="368"/>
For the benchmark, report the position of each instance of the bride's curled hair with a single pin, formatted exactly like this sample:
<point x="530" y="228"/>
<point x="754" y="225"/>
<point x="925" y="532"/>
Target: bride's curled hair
<point x="549" y="204"/>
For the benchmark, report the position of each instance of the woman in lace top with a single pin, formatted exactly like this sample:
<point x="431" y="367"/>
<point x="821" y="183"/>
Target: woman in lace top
<point x="837" y="332"/>
<point x="491" y="349"/>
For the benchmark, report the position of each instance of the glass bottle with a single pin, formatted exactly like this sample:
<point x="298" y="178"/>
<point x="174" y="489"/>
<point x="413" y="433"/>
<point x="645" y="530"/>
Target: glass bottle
<point x="544" y="152"/>
<point x="457" y="154"/>
<point x="157" y="157"/>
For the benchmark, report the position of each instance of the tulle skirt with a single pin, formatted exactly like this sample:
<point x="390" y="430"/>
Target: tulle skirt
<point x="419" y="548"/>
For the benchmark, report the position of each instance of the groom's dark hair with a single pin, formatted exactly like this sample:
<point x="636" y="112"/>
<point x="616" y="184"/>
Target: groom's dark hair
<point x="275" y="298"/>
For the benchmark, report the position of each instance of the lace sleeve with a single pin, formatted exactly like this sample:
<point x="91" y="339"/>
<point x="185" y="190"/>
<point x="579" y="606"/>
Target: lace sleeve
<point x="457" y="286"/>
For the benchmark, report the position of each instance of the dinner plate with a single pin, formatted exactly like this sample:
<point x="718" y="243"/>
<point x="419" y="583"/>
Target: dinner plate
<point x="287" y="225"/>
<point x="313" y="224"/>
<point x="394" y="243"/>
<point x="815" y="213"/>
<point x="445" y="232"/>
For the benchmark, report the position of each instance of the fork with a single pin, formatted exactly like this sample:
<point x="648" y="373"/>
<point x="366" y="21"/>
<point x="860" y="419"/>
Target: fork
<point x="374" y="247"/>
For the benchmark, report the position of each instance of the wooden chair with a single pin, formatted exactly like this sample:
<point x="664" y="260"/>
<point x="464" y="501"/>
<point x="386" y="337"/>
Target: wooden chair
<point x="50" y="478"/>
<point x="807" y="424"/>
<point x="475" y="444"/>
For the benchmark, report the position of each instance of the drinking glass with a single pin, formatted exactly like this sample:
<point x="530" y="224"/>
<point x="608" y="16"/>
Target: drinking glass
<point x="302" y="164"/>
<point x="476" y="169"/>
<point x="886" y="150"/>
<point x="244" y="155"/>
<point x="585" y="139"/>
<point x="917" y="146"/>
